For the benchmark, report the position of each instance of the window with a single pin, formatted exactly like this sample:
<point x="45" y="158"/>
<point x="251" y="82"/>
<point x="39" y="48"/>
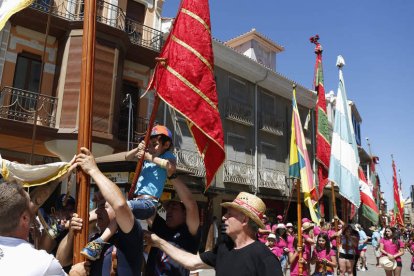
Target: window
<point x="238" y="90"/>
<point x="268" y="104"/>
<point x="27" y="73"/>
<point x="268" y="156"/>
<point x="27" y="77"/>
<point x="236" y="148"/>
<point x="125" y="114"/>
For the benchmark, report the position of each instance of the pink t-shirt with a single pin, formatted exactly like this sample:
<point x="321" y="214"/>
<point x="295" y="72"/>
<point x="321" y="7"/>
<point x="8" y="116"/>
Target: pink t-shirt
<point x="281" y="244"/>
<point x="290" y="240"/>
<point x="263" y="237"/>
<point x="307" y="246"/>
<point x="319" y="255"/>
<point x="294" y="266"/>
<point x="392" y="248"/>
<point x="274" y="250"/>
<point x="330" y="234"/>
<point x="411" y="244"/>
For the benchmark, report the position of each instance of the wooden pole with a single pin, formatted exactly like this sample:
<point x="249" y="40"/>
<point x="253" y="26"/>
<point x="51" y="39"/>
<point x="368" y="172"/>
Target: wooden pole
<point x="300" y="241"/>
<point x="146" y="139"/>
<point x="335" y="221"/>
<point x="85" y="122"/>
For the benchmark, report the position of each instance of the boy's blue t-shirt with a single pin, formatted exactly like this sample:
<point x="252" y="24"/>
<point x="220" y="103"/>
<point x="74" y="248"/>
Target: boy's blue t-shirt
<point x="153" y="177"/>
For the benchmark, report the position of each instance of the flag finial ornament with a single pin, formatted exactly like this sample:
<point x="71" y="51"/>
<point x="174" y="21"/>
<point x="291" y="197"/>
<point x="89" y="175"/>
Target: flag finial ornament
<point x="318" y="46"/>
<point x="340" y="62"/>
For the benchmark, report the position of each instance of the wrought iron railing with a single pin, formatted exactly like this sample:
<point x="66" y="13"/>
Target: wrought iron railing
<point x="239" y="112"/>
<point x="272" y="179"/>
<point x="190" y="161"/>
<point x="237" y="172"/>
<point x="270" y="124"/>
<point x="107" y="14"/>
<point x="23" y="106"/>
<point x="143" y="35"/>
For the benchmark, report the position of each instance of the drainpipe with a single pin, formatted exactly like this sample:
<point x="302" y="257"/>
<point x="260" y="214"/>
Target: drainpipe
<point x="256" y="141"/>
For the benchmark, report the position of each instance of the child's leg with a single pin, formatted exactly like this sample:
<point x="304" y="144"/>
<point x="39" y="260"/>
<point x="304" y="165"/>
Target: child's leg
<point x="109" y="231"/>
<point x="143" y="208"/>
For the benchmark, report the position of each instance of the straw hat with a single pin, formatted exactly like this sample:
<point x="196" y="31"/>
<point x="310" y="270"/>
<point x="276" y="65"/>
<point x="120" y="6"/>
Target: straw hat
<point x="289" y="224"/>
<point x="250" y="205"/>
<point x="387" y="264"/>
<point x="307" y="225"/>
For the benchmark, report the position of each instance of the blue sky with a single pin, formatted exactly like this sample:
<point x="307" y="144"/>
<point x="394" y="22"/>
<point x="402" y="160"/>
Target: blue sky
<point x="376" y="39"/>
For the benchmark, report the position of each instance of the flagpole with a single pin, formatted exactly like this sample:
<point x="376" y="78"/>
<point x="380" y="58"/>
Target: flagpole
<point x="140" y="162"/>
<point x="85" y="122"/>
<point x="36" y="115"/>
<point x="299" y="212"/>
<point x="335" y="220"/>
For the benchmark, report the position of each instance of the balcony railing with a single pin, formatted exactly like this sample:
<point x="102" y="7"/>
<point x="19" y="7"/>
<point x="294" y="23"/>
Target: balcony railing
<point x="242" y="113"/>
<point x="270" y="124"/>
<point x="237" y="172"/>
<point x="272" y="179"/>
<point x="22" y="106"/>
<point x="143" y="35"/>
<point x="190" y="161"/>
<point x="107" y="14"/>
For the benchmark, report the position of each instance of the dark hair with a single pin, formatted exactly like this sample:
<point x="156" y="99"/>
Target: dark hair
<point x="284" y="235"/>
<point x="13" y="202"/>
<point x="395" y="237"/>
<point x="327" y="243"/>
<point x="164" y="139"/>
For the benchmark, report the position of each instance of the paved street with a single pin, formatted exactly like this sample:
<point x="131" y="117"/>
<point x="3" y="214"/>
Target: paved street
<point x="372" y="270"/>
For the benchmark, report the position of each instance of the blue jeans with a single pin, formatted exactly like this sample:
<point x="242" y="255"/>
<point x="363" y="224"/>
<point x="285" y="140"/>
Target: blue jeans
<point x="142" y="208"/>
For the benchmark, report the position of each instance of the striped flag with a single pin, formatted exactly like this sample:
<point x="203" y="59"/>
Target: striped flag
<point x="10" y="7"/>
<point x="323" y="129"/>
<point x="299" y="165"/>
<point x="344" y="162"/>
<point x="398" y="210"/>
<point x="184" y="79"/>
<point x="369" y="208"/>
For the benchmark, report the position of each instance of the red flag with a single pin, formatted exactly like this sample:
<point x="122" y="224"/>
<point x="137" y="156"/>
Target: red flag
<point x="184" y="79"/>
<point x="323" y="132"/>
<point x="398" y="210"/>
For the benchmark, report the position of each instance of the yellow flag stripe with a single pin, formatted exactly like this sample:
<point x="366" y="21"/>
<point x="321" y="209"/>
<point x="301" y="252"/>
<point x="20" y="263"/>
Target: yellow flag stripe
<point x="192" y="50"/>
<point x="192" y="87"/>
<point x="198" y="18"/>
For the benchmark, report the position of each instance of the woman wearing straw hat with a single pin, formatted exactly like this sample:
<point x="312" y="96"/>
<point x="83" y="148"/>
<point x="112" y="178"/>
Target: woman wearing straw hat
<point x="393" y="248"/>
<point x="243" y="255"/>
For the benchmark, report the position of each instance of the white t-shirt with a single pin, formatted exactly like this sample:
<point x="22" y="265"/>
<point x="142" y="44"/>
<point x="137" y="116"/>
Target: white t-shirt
<point x="19" y="258"/>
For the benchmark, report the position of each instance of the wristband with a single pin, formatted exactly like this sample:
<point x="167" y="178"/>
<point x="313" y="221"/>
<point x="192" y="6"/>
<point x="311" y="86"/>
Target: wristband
<point x="163" y="164"/>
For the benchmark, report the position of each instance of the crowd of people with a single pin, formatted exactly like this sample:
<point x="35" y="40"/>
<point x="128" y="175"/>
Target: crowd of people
<point x="37" y="238"/>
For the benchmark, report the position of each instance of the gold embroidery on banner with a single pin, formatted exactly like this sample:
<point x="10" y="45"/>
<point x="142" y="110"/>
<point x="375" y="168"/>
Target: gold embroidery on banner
<point x="192" y="50"/>
<point x="190" y="85"/>
<point x="198" y="18"/>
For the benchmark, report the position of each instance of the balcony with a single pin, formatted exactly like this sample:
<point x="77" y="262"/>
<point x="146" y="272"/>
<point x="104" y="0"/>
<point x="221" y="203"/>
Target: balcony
<point x="272" y="179"/>
<point x="21" y="106"/>
<point x="190" y="161"/>
<point x="239" y="112"/>
<point x="270" y="124"/>
<point x="237" y="172"/>
<point x="108" y="14"/>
